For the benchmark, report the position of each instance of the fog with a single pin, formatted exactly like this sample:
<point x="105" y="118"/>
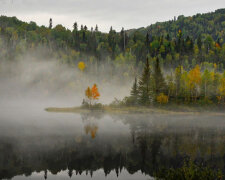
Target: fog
<point x="34" y="80"/>
<point x="35" y="143"/>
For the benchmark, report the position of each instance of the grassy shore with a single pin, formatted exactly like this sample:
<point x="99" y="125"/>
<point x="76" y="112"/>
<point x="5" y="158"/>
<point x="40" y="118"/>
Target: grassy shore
<point x="175" y="109"/>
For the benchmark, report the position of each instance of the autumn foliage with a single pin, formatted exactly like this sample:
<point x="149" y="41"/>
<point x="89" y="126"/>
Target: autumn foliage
<point x="92" y="94"/>
<point x="162" y="99"/>
<point x="95" y="93"/>
<point x="81" y="65"/>
<point x="92" y="129"/>
<point x="221" y="97"/>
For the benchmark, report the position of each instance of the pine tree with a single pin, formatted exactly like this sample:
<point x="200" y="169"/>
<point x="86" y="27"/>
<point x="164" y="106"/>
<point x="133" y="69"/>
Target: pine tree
<point x="134" y="92"/>
<point x="75" y="26"/>
<point x="122" y="39"/>
<point x="160" y="85"/>
<point x="50" y="23"/>
<point x="81" y="27"/>
<point x="199" y="42"/>
<point x="144" y="86"/>
<point x="96" y="28"/>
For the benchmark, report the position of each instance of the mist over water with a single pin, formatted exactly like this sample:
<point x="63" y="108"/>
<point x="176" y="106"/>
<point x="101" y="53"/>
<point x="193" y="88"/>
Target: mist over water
<point x="35" y="144"/>
<point x="34" y="79"/>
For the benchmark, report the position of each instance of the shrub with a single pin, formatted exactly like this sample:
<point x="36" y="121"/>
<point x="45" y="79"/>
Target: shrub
<point x="162" y="98"/>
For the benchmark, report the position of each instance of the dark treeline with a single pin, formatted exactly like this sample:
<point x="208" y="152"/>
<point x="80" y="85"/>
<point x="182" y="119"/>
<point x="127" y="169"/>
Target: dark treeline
<point x="174" y="43"/>
<point x="180" y="86"/>
<point x="199" y="24"/>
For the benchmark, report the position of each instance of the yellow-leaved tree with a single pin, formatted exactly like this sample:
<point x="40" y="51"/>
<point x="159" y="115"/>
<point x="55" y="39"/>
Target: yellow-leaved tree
<point x="88" y="94"/>
<point x="194" y="77"/>
<point x="81" y="65"/>
<point x="162" y="98"/>
<point x="221" y="96"/>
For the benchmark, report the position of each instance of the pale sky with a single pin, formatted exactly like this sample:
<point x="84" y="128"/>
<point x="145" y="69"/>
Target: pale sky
<point x="116" y="13"/>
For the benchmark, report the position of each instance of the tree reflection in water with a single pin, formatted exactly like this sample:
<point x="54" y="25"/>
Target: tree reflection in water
<point x="90" y="121"/>
<point x="146" y="143"/>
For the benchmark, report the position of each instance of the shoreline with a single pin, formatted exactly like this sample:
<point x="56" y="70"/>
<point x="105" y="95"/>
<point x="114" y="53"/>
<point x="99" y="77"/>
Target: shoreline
<point x="137" y="110"/>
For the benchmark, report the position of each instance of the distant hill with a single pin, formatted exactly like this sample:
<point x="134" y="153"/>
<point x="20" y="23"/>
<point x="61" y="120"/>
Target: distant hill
<point x="212" y="23"/>
<point x="186" y="41"/>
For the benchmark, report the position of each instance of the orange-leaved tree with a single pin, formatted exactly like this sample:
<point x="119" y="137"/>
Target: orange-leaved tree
<point x="92" y="94"/>
<point x="95" y="93"/>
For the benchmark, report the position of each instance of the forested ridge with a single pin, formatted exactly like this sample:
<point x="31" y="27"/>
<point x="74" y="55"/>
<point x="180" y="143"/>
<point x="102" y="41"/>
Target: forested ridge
<point x="200" y="24"/>
<point x="190" y="51"/>
<point x="186" y="41"/>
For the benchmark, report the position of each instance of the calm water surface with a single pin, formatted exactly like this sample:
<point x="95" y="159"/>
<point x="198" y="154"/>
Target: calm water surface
<point x="35" y="144"/>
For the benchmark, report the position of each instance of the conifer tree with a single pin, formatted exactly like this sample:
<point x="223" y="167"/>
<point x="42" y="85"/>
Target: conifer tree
<point x="96" y="28"/>
<point x="160" y="85"/>
<point x="75" y="26"/>
<point x="50" y="23"/>
<point x="144" y="96"/>
<point x="134" y="92"/>
<point x="199" y="42"/>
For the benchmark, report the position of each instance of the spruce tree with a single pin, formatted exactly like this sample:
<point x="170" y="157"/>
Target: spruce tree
<point x="75" y="26"/>
<point x="134" y="92"/>
<point x="144" y="86"/>
<point x="50" y="23"/>
<point x="199" y="42"/>
<point x="96" y="28"/>
<point x="160" y="85"/>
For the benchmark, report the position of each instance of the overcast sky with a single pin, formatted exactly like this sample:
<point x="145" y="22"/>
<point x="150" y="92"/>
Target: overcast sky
<point x="116" y="13"/>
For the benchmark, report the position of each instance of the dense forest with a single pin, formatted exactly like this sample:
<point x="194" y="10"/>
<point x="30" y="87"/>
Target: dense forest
<point x="190" y="50"/>
<point x="186" y="41"/>
<point x="199" y="24"/>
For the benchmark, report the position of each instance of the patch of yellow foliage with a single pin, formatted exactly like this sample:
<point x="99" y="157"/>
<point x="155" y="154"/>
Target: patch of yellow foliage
<point x="162" y="98"/>
<point x="221" y="96"/>
<point x="194" y="77"/>
<point x="81" y="65"/>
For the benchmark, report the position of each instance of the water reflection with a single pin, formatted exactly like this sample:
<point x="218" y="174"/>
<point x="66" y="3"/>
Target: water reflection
<point x="135" y="145"/>
<point x="90" y="121"/>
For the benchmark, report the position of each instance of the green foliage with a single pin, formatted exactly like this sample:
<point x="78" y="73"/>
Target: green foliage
<point x="144" y="91"/>
<point x="134" y="93"/>
<point x="187" y="41"/>
<point x="160" y="85"/>
<point x="208" y="24"/>
<point x="192" y="86"/>
<point x="189" y="171"/>
<point x="95" y="106"/>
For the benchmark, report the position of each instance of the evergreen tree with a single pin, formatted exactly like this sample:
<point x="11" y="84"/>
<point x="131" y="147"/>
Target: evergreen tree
<point x="144" y="96"/>
<point x="147" y="42"/>
<point x="122" y="39"/>
<point x="199" y="42"/>
<point x="96" y="28"/>
<point x="75" y="26"/>
<point x="160" y="85"/>
<point x="50" y="23"/>
<point x="134" y="92"/>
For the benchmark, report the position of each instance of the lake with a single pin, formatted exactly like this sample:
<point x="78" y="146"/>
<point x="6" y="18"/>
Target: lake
<point x="35" y="144"/>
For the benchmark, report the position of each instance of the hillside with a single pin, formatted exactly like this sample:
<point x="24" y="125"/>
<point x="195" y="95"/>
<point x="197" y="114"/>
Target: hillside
<point x="186" y="41"/>
<point x="212" y="23"/>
